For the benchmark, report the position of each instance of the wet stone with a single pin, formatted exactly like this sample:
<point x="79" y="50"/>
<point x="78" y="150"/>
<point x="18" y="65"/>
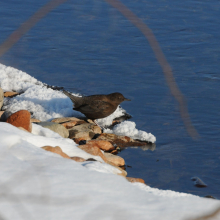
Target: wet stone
<point x="198" y="182"/>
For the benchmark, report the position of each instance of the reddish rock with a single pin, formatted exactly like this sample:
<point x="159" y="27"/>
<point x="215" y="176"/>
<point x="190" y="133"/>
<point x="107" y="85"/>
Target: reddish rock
<point x="78" y="159"/>
<point x="104" y="145"/>
<point x="56" y="150"/>
<point x="34" y="120"/>
<point x="134" y="180"/>
<point x="122" y="141"/>
<point x="21" y="119"/>
<point x="92" y="150"/>
<point x="10" y="94"/>
<point x="114" y="159"/>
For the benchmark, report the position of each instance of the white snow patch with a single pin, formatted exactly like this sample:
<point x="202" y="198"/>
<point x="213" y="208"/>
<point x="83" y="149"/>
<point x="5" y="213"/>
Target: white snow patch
<point x="128" y="128"/>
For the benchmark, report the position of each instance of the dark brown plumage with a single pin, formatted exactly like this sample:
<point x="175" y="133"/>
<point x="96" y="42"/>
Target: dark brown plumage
<point x="96" y="106"/>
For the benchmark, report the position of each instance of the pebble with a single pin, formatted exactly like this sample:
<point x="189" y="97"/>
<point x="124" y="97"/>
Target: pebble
<point x="78" y="159"/>
<point x="56" y="150"/>
<point x="103" y="145"/>
<point x="135" y="180"/>
<point x="92" y="150"/>
<point x="10" y="94"/>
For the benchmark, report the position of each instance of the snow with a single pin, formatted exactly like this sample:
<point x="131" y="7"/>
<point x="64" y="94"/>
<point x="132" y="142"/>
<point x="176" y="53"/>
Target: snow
<point x="36" y="184"/>
<point x="45" y="103"/>
<point x="128" y="128"/>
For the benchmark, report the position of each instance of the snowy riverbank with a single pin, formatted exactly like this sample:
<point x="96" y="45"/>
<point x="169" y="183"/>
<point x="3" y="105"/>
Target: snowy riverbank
<point x="37" y="184"/>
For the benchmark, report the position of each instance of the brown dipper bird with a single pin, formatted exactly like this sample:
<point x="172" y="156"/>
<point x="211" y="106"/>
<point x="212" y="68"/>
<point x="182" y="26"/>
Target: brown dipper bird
<point x="96" y="106"/>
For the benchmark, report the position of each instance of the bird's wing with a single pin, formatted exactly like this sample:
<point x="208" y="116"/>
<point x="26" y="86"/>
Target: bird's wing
<point x="95" y="106"/>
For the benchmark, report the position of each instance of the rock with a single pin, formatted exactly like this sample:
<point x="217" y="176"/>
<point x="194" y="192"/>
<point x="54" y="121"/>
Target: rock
<point x="69" y="124"/>
<point x="123" y="172"/>
<point x="92" y="150"/>
<point x="85" y="131"/>
<point x="103" y="145"/>
<point x="198" y="182"/>
<point x="10" y="94"/>
<point x="91" y="159"/>
<point x="21" y="119"/>
<point x="79" y="141"/>
<point x="22" y="129"/>
<point x="68" y="119"/>
<point x="121" y="141"/>
<point x="34" y="120"/>
<point x="61" y="130"/>
<point x="114" y="159"/>
<point x="134" y="180"/>
<point x="78" y="159"/>
<point x="56" y="150"/>
<point x="1" y="98"/>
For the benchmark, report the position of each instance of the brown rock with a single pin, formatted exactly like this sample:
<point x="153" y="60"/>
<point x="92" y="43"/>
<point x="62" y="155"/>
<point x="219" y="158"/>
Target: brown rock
<point x="21" y="119"/>
<point x="10" y="94"/>
<point x="56" y="150"/>
<point x="114" y="159"/>
<point x="77" y="140"/>
<point x="78" y="159"/>
<point x="92" y="150"/>
<point x="34" y="120"/>
<point x="104" y="145"/>
<point x="86" y="131"/>
<point x="122" y="141"/>
<point x="22" y="129"/>
<point x="67" y="119"/>
<point x="134" y="180"/>
<point x="114" y="152"/>
<point x="69" y="124"/>
<point x="123" y="172"/>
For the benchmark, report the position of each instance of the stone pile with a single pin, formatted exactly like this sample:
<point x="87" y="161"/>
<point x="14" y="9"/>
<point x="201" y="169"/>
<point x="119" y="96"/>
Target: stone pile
<point x="87" y="135"/>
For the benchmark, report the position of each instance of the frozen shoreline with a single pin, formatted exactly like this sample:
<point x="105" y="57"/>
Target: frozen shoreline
<point x="43" y="185"/>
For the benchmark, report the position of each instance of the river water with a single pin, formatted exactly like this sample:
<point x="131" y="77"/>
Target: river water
<point x="91" y="48"/>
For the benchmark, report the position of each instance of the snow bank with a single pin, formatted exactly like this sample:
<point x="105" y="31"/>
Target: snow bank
<point x="45" y="103"/>
<point x="36" y="184"/>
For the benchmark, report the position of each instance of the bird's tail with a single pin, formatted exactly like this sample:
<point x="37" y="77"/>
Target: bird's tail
<point x="75" y="99"/>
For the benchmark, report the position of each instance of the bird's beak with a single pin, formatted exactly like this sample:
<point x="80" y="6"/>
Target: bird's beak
<point x="127" y="99"/>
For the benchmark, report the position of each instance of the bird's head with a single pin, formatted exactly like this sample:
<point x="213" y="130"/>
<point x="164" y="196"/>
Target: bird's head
<point x="117" y="97"/>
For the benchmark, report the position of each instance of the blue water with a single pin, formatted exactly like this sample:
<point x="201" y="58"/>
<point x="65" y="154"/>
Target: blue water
<point x="89" y="47"/>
